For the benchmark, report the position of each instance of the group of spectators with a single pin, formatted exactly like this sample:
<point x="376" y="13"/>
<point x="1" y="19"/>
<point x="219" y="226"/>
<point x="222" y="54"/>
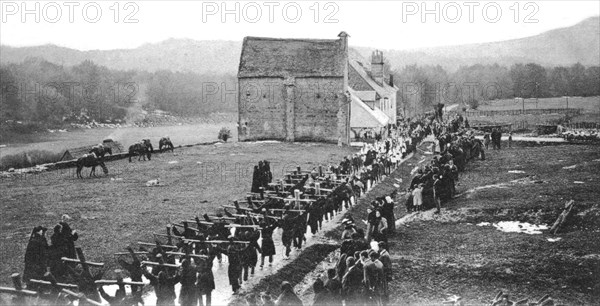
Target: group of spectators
<point x="435" y="183"/>
<point x="42" y="257"/>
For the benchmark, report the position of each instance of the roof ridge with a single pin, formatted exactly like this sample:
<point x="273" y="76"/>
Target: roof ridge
<point x="290" y="39"/>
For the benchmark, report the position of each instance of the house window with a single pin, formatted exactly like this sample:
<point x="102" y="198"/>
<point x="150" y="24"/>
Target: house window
<point x="386" y="103"/>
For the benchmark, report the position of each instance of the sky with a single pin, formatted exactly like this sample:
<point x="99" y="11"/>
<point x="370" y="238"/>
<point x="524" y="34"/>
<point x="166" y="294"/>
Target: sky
<point x="379" y="24"/>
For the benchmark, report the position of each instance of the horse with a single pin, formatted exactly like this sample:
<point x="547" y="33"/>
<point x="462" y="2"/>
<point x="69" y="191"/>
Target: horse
<point x="165" y="143"/>
<point x="93" y="159"/>
<point x="143" y="149"/>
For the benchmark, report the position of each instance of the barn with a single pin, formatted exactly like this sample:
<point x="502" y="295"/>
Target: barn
<point x="299" y="90"/>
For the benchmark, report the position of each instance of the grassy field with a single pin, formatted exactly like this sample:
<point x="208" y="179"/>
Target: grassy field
<point x="114" y="211"/>
<point x="438" y="256"/>
<point x="59" y="142"/>
<point x="587" y="103"/>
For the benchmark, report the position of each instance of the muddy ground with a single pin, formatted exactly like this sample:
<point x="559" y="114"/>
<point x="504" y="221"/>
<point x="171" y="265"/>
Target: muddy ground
<point x="435" y="257"/>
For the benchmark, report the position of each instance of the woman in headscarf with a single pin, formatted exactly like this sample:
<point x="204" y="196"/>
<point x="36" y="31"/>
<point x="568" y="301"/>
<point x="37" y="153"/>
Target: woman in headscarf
<point x="36" y="255"/>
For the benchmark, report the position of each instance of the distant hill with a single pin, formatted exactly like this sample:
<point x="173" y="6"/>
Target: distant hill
<point x="564" y="46"/>
<point x="203" y="57"/>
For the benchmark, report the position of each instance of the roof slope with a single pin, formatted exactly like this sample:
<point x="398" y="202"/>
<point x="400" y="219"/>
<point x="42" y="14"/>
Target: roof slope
<point x="362" y="116"/>
<point x="274" y="57"/>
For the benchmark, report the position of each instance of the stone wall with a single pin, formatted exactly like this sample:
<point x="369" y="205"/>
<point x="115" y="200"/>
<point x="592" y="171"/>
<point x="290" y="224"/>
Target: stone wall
<point x="292" y="109"/>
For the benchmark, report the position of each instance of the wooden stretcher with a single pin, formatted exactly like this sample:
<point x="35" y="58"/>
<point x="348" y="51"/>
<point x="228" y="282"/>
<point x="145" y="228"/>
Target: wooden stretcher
<point x="164" y="246"/>
<point x="89" y="263"/>
<point x="62" y="285"/>
<point x="157" y="264"/>
<point x="184" y="254"/>
<point x="116" y="282"/>
<point x="214" y="241"/>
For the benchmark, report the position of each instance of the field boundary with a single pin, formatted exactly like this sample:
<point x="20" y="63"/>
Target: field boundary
<point x="513" y="112"/>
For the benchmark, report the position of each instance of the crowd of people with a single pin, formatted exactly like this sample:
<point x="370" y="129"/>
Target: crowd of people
<point x="302" y="199"/>
<point x="435" y="183"/>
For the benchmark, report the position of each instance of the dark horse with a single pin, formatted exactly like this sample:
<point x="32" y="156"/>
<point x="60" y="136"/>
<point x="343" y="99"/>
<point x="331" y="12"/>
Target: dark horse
<point x="165" y="143"/>
<point x="143" y="149"/>
<point x="93" y="159"/>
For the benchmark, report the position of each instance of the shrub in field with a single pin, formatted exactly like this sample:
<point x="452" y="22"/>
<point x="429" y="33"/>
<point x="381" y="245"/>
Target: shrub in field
<point x="473" y="103"/>
<point x="224" y="134"/>
<point x="28" y="159"/>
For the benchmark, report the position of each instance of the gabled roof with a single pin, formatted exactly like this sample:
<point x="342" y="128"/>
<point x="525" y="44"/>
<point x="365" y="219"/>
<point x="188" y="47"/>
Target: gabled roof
<point x="382" y="90"/>
<point x="362" y="116"/>
<point x="361" y="66"/>
<point x="275" y="57"/>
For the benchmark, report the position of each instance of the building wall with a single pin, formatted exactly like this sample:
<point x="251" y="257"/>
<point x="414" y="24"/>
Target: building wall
<point x="262" y="108"/>
<point x="313" y="114"/>
<point x="316" y="108"/>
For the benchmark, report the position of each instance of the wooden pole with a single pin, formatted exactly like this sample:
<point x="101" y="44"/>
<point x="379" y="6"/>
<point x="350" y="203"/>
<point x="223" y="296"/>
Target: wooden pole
<point x="157" y="264"/>
<point x="83" y="262"/>
<point x="154" y="245"/>
<point x="187" y="254"/>
<point x="128" y="253"/>
<point x="116" y="282"/>
<point x="47" y="283"/>
<point x="18" y="288"/>
<point x="214" y="241"/>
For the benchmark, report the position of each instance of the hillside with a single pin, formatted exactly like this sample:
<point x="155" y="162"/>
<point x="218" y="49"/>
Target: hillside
<point x="564" y="46"/>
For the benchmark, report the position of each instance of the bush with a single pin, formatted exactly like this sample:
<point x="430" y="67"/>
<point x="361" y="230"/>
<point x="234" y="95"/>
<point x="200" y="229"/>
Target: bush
<point x="224" y="134"/>
<point x="473" y="103"/>
<point x="28" y="159"/>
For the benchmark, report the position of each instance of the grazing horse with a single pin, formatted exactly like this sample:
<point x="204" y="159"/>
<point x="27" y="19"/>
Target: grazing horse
<point x="143" y="149"/>
<point x="100" y="151"/>
<point x="93" y="159"/>
<point x="165" y="143"/>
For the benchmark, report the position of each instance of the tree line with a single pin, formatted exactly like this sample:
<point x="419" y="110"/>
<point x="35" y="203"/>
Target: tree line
<point x="422" y="87"/>
<point x="48" y="94"/>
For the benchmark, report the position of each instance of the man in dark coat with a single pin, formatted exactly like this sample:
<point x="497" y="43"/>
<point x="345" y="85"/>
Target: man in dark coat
<point x="334" y="286"/>
<point x="352" y="286"/>
<point x="164" y="286"/>
<point x="206" y="279"/>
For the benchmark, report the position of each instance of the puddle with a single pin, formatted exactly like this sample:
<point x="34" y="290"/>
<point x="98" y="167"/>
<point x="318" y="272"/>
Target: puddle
<point x="554" y="239"/>
<point x="516" y="171"/>
<point x="173" y="162"/>
<point x="152" y="183"/>
<point x="516" y="227"/>
<point x="578" y="182"/>
<point x="570" y="167"/>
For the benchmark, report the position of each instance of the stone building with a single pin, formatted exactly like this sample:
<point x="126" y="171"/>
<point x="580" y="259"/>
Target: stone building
<point x="299" y="90"/>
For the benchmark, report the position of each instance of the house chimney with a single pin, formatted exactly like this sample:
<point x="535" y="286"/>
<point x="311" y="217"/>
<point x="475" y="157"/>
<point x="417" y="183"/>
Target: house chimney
<point x="377" y="66"/>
